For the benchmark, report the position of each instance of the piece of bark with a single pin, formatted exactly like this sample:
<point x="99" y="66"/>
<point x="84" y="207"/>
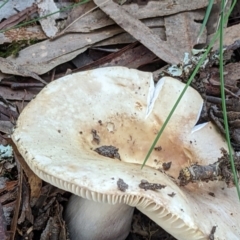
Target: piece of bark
<point x="139" y="30"/>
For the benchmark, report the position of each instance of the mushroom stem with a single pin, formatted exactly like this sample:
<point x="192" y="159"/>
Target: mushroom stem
<point x="89" y="220"/>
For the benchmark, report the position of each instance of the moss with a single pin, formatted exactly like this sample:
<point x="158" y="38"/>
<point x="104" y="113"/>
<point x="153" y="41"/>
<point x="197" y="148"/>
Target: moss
<point x="13" y="48"/>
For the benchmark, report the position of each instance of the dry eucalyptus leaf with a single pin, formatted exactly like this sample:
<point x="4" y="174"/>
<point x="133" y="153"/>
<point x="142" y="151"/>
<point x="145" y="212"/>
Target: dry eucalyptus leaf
<point x="163" y="8"/>
<point x="97" y="19"/>
<point x="182" y="32"/>
<point x="48" y="24"/>
<point x="138" y="30"/>
<point x="79" y="21"/>
<point x="44" y="56"/>
<point x="12" y="67"/>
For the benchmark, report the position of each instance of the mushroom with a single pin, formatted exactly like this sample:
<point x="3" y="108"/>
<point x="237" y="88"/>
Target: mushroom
<point x="89" y="132"/>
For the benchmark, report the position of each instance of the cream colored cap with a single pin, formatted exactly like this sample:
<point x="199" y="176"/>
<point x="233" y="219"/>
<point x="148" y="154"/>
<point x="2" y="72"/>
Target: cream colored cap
<point x="59" y="130"/>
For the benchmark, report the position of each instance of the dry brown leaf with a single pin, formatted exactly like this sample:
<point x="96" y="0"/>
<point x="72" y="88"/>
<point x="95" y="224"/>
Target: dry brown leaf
<point x="182" y="32"/>
<point x="137" y="29"/>
<point x="44" y="56"/>
<point x="12" y="67"/>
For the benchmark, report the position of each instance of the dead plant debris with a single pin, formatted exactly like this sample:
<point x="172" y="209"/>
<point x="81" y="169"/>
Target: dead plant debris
<point x="108" y="151"/>
<point x="150" y="186"/>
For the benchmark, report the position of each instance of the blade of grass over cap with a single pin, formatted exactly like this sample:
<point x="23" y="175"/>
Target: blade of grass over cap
<point x="225" y="117"/>
<point x="3" y="3"/>
<point x="185" y="88"/>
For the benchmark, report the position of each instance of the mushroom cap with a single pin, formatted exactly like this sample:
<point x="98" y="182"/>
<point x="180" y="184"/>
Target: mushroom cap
<point x="58" y="131"/>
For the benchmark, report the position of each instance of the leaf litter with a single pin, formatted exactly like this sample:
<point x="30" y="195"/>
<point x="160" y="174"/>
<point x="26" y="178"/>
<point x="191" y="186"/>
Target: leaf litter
<point x="150" y="36"/>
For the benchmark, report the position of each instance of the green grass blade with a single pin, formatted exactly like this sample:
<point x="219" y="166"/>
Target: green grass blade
<point x="207" y="14"/>
<point x="225" y="117"/>
<point x="50" y="14"/>
<point x="4" y="3"/>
